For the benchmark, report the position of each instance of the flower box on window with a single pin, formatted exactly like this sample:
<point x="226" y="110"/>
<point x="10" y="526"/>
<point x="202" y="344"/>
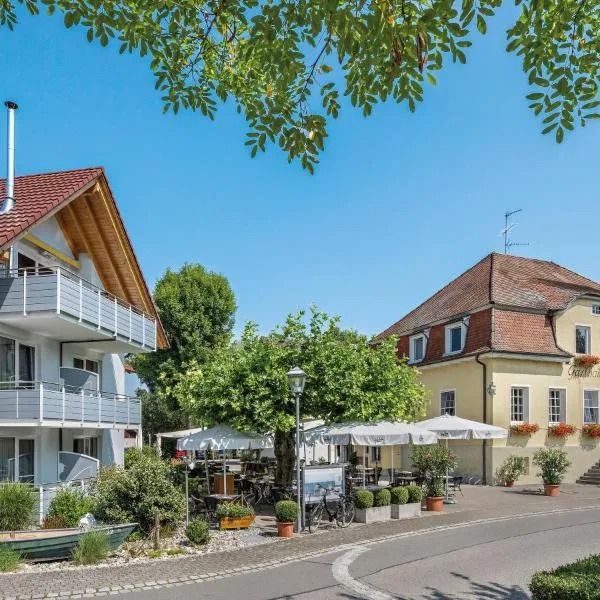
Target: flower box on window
<point x="561" y="430"/>
<point x="591" y="430"/>
<point x="587" y="361"/>
<point x="524" y="428"/>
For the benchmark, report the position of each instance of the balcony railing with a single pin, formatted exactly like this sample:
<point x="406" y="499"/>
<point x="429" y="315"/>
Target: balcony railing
<point x="58" y="290"/>
<point x="43" y="401"/>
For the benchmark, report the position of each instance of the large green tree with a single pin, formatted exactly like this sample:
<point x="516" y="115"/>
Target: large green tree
<point x="285" y="64"/>
<point x="245" y="384"/>
<point x="197" y="310"/>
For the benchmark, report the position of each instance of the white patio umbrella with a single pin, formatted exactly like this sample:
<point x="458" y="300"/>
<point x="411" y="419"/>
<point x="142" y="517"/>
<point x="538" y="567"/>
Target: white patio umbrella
<point x="450" y="427"/>
<point x="381" y="433"/>
<point x="224" y="437"/>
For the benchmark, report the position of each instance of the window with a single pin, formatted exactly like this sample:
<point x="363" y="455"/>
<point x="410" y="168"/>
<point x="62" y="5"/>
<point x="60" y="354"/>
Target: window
<point x="375" y="454"/>
<point x="596" y="309"/>
<point x="7" y="362"/>
<point x="455" y="338"/>
<point x="582" y="339"/>
<point x="25" y="264"/>
<point x="17" y="459"/>
<point x="87" y="446"/>
<point x="519" y="404"/>
<point x="26" y="364"/>
<point x="86" y="365"/>
<point x="448" y="402"/>
<point x="590" y="406"/>
<point x="556" y="406"/>
<point x="26" y="460"/>
<point x="417" y="348"/>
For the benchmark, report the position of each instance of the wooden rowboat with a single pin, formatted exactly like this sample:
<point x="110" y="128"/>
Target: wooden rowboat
<point x="57" y="544"/>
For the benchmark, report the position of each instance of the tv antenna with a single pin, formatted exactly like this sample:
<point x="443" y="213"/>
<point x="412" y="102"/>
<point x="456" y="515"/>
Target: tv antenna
<point x="508" y="227"/>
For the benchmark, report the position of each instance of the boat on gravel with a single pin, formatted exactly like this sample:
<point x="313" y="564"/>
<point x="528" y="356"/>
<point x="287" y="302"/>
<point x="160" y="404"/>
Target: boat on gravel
<point x="57" y="544"/>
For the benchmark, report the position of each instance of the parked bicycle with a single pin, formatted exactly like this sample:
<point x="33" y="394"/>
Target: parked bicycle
<point x="342" y="510"/>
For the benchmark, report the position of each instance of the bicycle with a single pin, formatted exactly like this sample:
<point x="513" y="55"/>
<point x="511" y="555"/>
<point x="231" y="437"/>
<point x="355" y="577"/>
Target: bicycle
<point x="343" y="513"/>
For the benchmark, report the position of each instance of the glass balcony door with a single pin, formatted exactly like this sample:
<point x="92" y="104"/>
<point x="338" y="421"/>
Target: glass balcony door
<point x="17" y="459"/>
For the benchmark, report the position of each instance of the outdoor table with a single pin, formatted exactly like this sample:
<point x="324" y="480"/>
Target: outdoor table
<point x="405" y="480"/>
<point x="223" y="498"/>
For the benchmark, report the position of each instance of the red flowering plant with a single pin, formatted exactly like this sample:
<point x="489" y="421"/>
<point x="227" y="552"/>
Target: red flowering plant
<point x="524" y="428"/>
<point x="561" y="430"/>
<point x="591" y="430"/>
<point x="587" y="361"/>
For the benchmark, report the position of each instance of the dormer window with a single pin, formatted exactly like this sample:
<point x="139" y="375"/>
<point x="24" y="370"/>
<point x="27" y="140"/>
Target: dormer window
<point x="417" y="348"/>
<point x="455" y="338"/>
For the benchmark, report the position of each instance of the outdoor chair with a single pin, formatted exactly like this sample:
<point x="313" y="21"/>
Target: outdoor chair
<point x="210" y="508"/>
<point x="456" y="483"/>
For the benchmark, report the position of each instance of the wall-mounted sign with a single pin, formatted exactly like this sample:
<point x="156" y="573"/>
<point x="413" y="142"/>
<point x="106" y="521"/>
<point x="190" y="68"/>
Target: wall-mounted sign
<point x="580" y="371"/>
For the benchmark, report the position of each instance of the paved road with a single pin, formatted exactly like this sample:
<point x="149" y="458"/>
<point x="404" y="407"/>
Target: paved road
<point x="492" y="560"/>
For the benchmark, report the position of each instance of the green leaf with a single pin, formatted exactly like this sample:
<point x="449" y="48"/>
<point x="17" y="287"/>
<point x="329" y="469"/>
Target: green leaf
<point x="481" y="26"/>
<point x="559" y="135"/>
<point x="432" y="80"/>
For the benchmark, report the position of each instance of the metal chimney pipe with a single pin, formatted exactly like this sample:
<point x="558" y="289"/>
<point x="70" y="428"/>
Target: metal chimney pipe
<point x="9" y="201"/>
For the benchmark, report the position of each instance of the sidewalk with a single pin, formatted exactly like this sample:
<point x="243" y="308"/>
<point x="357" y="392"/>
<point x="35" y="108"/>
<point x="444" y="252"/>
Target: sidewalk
<point x="477" y="503"/>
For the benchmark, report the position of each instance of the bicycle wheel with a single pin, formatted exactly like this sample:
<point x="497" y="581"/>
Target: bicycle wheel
<point x="345" y="512"/>
<point x="314" y="516"/>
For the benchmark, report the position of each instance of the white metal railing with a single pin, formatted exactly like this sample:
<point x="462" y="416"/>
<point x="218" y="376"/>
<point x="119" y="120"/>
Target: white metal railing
<point x="46" y="401"/>
<point x="57" y="288"/>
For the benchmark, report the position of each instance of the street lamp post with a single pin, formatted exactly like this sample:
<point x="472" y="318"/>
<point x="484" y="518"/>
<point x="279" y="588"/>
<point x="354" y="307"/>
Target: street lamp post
<point x="297" y="379"/>
<point x="190" y="463"/>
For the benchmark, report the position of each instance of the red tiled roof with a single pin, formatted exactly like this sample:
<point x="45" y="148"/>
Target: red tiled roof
<point x="38" y="195"/>
<point x="503" y="280"/>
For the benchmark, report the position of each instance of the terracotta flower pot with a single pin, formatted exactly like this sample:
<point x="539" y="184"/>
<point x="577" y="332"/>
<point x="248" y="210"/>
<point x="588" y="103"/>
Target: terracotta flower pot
<point x="551" y="490"/>
<point x="435" y="503"/>
<point x="285" y="529"/>
<point x="509" y="483"/>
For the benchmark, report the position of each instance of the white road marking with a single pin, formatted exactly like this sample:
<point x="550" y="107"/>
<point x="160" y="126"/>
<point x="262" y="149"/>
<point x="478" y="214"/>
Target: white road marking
<point x="341" y="572"/>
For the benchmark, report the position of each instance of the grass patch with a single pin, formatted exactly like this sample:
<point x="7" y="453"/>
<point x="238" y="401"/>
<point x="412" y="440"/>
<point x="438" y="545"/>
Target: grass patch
<point x="579" y="580"/>
<point x="9" y="560"/>
<point x="91" y="549"/>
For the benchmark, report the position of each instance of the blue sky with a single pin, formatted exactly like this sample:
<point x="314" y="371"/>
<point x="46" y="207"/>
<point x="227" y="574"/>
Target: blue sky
<point x="399" y="205"/>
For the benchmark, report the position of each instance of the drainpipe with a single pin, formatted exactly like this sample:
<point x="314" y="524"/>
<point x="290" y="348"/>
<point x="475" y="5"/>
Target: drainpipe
<point x="484" y="415"/>
<point x="9" y="201"/>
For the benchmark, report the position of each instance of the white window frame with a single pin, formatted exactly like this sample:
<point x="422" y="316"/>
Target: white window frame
<point x="36" y="363"/>
<point x="448" y="337"/>
<point x="563" y="407"/>
<point x="88" y="439"/>
<point x="588" y="349"/>
<point x="411" y="348"/>
<point x="597" y="390"/>
<point x="526" y="403"/>
<point x="445" y="391"/>
<point x="596" y="309"/>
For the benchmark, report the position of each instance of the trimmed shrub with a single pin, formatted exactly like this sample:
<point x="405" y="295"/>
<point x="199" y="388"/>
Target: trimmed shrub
<point x="9" y="560"/>
<point x="363" y="499"/>
<point x="512" y="468"/>
<point x="70" y="504"/>
<point x="197" y="532"/>
<point x="234" y="511"/>
<point x="17" y="505"/>
<point x="415" y="494"/>
<point x="286" y="511"/>
<point x="399" y="495"/>
<point x="137" y="493"/>
<point x="91" y="549"/>
<point x="553" y="463"/>
<point x="579" y="580"/>
<point x="382" y="497"/>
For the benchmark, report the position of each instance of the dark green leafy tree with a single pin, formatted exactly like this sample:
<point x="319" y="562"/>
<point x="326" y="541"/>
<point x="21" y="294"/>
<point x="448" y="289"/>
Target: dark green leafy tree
<point x="286" y="64"/>
<point x="245" y="384"/>
<point x="197" y="309"/>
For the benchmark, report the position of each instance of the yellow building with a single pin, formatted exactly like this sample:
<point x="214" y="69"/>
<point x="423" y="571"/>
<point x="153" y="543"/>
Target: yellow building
<point x="511" y="342"/>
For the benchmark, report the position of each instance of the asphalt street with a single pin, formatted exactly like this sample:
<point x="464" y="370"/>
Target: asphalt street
<point x="491" y="560"/>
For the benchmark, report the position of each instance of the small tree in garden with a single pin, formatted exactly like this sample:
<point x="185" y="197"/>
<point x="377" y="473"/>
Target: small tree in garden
<point x="433" y="462"/>
<point x="17" y="505"/>
<point x="139" y="493"/>
<point x="553" y="463"/>
<point x="511" y="468"/>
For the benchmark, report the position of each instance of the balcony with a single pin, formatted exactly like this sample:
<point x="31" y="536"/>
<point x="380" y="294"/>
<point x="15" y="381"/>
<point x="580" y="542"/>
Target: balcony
<point x="62" y="305"/>
<point x="43" y="403"/>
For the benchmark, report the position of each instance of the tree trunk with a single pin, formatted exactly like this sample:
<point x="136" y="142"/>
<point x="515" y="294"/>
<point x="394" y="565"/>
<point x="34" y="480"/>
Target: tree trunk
<point x="285" y="453"/>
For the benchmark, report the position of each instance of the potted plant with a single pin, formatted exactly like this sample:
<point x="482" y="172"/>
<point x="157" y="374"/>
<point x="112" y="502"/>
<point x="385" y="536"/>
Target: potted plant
<point x="286" y="513"/>
<point x="591" y="430"/>
<point x="405" y="503"/>
<point x="511" y="469"/>
<point x="587" y="361"/>
<point x="372" y="507"/>
<point x="433" y="462"/>
<point x="235" y="516"/>
<point x="554" y="464"/>
<point x="561" y="430"/>
<point x="524" y="428"/>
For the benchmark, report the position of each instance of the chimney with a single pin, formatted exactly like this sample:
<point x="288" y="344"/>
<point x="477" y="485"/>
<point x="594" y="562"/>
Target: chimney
<point x="9" y="201"/>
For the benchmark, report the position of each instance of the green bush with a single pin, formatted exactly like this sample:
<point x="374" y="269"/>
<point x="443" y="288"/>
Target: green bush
<point x="363" y="498"/>
<point x="382" y="497"/>
<point x="286" y="511"/>
<point x="197" y="532"/>
<point x="415" y="494"/>
<point x="399" y="495"/>
<point x="511" y="469"/>
<point x="9" y="560"/>
<point x="139" y="492"/>
<point x="433" y="462"/>
<point x="579" y="580"/>
<point x="70" y="505"/>
<point x="91" y="549"/>
<point x="553" y="463"/>
<point x="17" y="506"/>
<point x="234" y="511"/>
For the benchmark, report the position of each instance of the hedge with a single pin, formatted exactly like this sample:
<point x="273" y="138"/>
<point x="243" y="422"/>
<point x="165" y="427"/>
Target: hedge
<point x="381" y="497"/>
<point x="399" y="495"/>
<point x="363" y="498"/>
<point x="579" y="580"/>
